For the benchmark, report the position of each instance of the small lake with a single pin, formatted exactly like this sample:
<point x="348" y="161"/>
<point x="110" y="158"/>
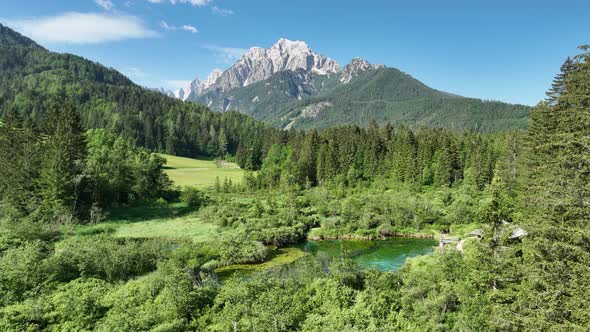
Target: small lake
<point x="382" y="255"/>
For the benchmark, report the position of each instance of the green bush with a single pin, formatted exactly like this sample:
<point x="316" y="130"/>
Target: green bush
<point x="194" y="197"/>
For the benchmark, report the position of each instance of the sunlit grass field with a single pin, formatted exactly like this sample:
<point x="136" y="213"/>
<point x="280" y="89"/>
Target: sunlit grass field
<point x="200" y="172"/>
<point x="187" y="227"/>
<point x="170" y="221"/>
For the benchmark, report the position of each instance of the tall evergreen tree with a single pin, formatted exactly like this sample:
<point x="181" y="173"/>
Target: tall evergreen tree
<point x="63" y="161"/>
<point x="19" y="164"/>
<point x="557" y="293"/>
<point x="558" y="87"/>
<point x="222" y="141"/>
<point x="404" y="156"/>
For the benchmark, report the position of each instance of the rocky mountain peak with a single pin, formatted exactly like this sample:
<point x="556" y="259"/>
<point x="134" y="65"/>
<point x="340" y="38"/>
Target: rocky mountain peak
<point x="196" y="86"/>
<point x="184" y="93"/>
<point x="213" y="76"/>
<point x="208" y="82"/>
<point x="355" y="68"/>
<point x="259" y="64"/>
<point x="292" y="46"/>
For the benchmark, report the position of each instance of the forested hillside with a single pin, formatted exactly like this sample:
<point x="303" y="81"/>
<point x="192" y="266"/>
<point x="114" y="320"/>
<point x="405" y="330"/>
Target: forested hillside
<point x="388" y="95"/>
<point x="33" y="80"/>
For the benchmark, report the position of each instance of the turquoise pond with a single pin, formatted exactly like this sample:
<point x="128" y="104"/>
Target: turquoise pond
<point x="383" y="255"/>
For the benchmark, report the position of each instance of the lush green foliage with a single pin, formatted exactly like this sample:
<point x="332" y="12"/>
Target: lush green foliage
<point x="129" y="274"/>
<point x="557" y="205"/>
<point x="58" y="173"/>
<point x="193" y="197"/>
<point x="351" y="155"/>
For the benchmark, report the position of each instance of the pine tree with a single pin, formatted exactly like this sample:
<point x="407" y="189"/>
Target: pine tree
<point x="63" y="161"/>
<point x="322" y="164"/>
<point x="308" y="158"/>
<point x="424" y="155"/>
<point x="171" y="143"/>
<point x="372" y="149"/>
<point x="557" y="293"/>
<point x="222" y="141"/>
<point x="19" y="164"/>
<point x="558" y="85"/>
<point x="496" y="272"/>
<point x="213" y="144"/>
<point x="444" y="166"/>
<point x="404" y="156"/>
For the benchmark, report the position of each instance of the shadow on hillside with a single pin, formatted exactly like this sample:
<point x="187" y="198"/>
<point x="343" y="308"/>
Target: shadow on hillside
<point x="148" y="212"/>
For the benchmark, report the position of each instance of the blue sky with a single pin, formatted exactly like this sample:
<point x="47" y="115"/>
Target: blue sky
<point x="496" y="49"/>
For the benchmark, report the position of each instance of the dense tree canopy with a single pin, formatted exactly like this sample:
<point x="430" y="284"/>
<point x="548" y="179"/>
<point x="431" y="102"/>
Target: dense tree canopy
<point x="58" y="172"/>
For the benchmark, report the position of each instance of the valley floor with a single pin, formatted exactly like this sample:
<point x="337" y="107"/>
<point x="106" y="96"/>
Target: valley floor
<point x="201" y="173"/>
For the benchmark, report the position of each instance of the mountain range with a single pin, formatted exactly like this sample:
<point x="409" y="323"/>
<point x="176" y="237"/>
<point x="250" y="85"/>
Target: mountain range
<point x="287" y="85"/>
<point x="290" y="86"/>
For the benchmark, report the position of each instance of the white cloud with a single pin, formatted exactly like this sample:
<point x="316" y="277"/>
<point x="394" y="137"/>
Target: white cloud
<point x="227" y="55"/>
<point x="106" y="4"/>
<point x="82" y="28"/>
<point x="185" y="27"/>
<point x="221" y="11"/>
<point x="198" y="3"/>
<point x="192" y="2"/>
<point x="190" y="28"/>
<point x="165" y="26"/>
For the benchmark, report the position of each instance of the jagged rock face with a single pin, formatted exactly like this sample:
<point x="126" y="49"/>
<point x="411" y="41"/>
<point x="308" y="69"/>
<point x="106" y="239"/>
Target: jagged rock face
<point x="355" y="68"/>
<point x="181" y="94"/>
<point x="298" y="65"/>
<point x="196" y="86"/>
<point x="259" y="64"/>
<point x="212" y="78"/>
<point x="297" y="81"/>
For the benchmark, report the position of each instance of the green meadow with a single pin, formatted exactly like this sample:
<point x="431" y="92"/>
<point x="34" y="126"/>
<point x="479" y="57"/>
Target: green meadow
<point x="188" y="227"/>
<point x="200" y="172"/>
<point x="168" y="221"/>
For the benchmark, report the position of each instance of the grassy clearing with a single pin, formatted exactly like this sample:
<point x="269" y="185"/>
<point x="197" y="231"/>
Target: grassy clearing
<point x="188" y="227"/>
<point x="200" y="172"/>
<point x="172" y="221"/>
